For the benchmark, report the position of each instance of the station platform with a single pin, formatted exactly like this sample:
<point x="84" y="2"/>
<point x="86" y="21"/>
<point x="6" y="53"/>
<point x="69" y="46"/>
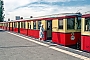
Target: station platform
<point x="15" y="46"/>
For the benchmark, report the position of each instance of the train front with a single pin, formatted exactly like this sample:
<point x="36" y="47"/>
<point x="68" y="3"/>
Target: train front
<point x="85" y="34"/>
<point x="67" y="29"/>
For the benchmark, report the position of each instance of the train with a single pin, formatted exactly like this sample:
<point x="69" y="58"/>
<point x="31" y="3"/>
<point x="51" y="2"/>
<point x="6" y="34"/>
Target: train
<point x="67" y="29"/>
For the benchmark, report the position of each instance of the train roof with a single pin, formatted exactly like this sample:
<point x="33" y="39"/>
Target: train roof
<point x="86" y="15"/>
<point x="58" y="15"/>
<point x="46" y="17"/>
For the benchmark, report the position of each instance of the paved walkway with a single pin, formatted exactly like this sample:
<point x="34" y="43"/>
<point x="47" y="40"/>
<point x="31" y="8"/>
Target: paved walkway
<point x="16" y="48"/>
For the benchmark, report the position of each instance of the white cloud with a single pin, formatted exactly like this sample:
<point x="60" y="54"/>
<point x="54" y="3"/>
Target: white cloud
<point x="60" y="0"/>
<point x="37" y="9"/>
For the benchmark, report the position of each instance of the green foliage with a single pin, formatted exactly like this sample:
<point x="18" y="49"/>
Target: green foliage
<point x="1" y="11"/>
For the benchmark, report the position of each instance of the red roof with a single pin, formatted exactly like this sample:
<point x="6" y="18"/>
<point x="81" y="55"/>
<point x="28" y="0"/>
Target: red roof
<point x="86" y="15"/>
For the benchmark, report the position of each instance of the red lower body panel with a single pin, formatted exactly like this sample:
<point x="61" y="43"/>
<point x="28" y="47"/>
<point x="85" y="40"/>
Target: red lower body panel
<point x="5" y="28"/>
<point x="29" y="32"/>
<point x="11" y="29"/>
<point x="15" y="30"/>
<point x="8" y="28"/>
<point x="65" y="38"/>
<point x="35" y="33"/>
<point x="45" y="35"/>
<point x="56" y="37"/>
<point x="85" y="43"/>
<point x="0" y="27"/>
<point x="23" y="31"/>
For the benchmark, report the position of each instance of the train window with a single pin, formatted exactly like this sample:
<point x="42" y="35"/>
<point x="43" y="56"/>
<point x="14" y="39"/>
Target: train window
<point x="70" y="23"/>
<point x="10" y="24"/>
<point x="78" y="22"/>
<point x="87" y="24"/>
<point x="29" y="25"/>
<point x="21" y="24"/>
<point x="24" y="25"/>
<point x="49" y="24"/>
<point x="7" y="24"/>
<point x="39" y="24"/>
<point x="34" y="25"/>
<point x="15" y="25"/>
<point x="60" y="24"/>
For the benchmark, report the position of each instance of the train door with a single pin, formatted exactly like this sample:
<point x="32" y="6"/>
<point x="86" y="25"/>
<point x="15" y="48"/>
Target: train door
<point x="28" y="25"/>
<point x="49" y="29"/>
<point x="9" y="26"/>
<point x="18" y="27"/>
<point x="6" y="26"/>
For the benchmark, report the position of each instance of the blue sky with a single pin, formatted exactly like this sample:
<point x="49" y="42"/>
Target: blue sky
<point x="27" y="8"/>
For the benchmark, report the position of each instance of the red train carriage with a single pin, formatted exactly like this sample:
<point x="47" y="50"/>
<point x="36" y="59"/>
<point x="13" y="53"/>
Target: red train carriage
<point x="22" y="25"/>
<point x="85" y="34"/>
<point x="50" y="22"/>
<point x="66" y="29"/>
<point x="62" y="29"/>
<point x="15" y="26"/>
<point x="5" y="25"/>
<point x="1" y="25"/>
<point x="10" y="26"/>
<point x="33" y="28"/>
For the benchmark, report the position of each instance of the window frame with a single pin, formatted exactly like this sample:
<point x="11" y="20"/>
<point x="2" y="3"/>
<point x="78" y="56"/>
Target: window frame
<point x="85" y="25"/>
<point x="39" y="24"/>
<point x="50" y="25"/>
<point x="34" y="26"/>
<point x="59" y="23"/>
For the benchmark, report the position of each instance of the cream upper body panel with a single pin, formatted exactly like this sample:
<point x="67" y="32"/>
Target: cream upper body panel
<point x="83" y="32"/>
<point x="55" y="27"/>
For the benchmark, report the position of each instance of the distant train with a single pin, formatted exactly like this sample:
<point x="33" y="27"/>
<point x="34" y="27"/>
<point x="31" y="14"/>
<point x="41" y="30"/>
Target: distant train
<point x="68" y="29"/>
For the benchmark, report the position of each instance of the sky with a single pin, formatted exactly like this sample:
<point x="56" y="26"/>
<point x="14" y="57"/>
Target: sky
<point x="27" y="8"/>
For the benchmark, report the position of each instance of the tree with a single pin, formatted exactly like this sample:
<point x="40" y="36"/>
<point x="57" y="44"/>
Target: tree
<point x="1" y="11"/>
